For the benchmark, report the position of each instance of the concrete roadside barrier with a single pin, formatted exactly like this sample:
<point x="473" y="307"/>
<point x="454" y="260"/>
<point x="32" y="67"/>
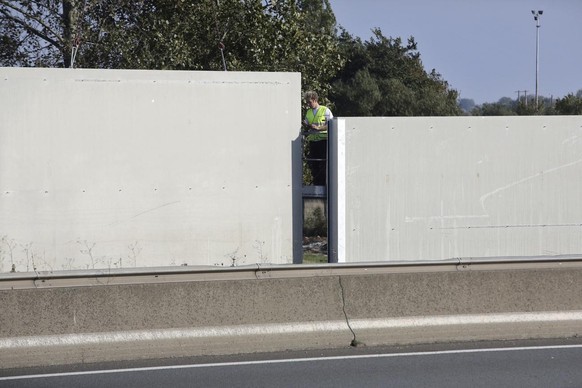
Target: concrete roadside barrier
<point x="56" y="325"/>
<point x="61" y="318"/>
<point x="464" y="305"/>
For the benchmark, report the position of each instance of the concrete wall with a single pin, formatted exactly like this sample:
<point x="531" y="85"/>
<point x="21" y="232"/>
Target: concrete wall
<point x="48" y="320"/>
<point x="431" y="188"/>
<point x="106" y="169"/>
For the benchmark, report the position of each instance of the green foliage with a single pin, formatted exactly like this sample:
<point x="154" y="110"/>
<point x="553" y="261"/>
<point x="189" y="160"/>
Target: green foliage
<point x="500" y="108"/>
<point x="379" y="77"/>
<point x="282" y="35"/>
<point x="361" y="90"/>
<point x="303" y="38"/>
<point x="307" y="176"/>
<point x="9" y="55"/>
<point x="314" y="258"/>
<point x="315" y="224"/>
<point x="528" y="109"/>
<point x="46" y="32"/>
<point x="570" y="105"/>
<point x="384" y="77"/>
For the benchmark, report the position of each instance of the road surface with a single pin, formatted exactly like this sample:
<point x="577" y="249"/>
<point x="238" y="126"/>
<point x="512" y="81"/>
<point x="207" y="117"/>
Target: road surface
<point x="515" y="364"/>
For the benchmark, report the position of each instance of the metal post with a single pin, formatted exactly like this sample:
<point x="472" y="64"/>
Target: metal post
<point x="332" y="191"/>
<point x="221" y="48"/>
<point x="537" y="15"/>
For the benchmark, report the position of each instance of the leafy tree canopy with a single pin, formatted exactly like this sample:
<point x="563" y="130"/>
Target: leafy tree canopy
<point x="379" y="77"/>
<point x="570" y="105"/>
<point x="384" y="77"/>
<point x="253" y="35"/>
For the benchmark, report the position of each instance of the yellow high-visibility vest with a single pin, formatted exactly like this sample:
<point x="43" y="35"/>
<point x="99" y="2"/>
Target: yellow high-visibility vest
<point x="319" y="119"/>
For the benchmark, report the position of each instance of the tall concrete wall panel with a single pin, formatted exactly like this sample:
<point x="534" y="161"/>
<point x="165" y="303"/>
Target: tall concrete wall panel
<point x="108" y="168"/>
<point x="439" y="188"/>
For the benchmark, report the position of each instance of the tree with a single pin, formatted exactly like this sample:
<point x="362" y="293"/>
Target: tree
<point x="9" y="55"/>
<point x="253" y="35"/>
<point x="569" y="105"/>
<point x="506" y="106"/>
<point x="384" y="77"/>
<point x="467" y="104"/>
<point x="526" y="108"/>
<point x="302" y="38"/>
<point x="494" y="109"/>
<point x="50" y="32"/>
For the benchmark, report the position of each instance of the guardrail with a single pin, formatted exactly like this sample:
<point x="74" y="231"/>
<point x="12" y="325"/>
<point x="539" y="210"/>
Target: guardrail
<point x="90" y="316"/>
<point x="98" y="277"/>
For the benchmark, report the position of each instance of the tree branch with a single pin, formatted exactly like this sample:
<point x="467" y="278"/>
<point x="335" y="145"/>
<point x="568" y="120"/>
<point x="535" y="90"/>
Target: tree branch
<point x="57" y="41"/>
<point x="32" y="30"/>
<point x="36" y="3"/>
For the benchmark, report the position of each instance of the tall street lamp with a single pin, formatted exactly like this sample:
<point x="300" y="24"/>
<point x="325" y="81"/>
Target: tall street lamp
<point x="537" y="16"/>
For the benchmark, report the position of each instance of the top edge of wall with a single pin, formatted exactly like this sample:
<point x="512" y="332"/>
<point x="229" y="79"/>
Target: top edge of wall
<point x="135" y="74"/>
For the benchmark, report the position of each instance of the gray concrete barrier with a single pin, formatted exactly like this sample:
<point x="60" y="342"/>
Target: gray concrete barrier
<point x="63" y="318"/>
<point x="460" y="306"/>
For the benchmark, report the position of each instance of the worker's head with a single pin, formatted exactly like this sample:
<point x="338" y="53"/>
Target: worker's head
<point x="311" y="99"/>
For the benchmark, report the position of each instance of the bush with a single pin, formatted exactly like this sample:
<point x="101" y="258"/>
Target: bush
<point x="315" y="224"/>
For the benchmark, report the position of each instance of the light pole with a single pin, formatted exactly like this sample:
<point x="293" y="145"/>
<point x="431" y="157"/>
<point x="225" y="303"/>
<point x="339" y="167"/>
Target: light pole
<point x="537" y="15"/>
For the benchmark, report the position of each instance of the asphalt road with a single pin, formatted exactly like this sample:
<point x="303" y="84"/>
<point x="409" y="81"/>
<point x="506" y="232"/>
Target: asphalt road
<point x="547" y="364"/>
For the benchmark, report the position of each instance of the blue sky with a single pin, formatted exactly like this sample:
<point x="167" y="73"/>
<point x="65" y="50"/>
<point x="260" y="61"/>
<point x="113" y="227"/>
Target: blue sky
<point x="485" y="49"/>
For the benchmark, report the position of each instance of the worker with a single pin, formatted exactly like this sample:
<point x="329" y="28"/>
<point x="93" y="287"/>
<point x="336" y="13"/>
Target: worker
<point x="316" y="119"/>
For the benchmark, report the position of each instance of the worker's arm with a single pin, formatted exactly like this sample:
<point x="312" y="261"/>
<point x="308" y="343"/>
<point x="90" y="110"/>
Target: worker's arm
<point x="321" y="127"/>
<point x="315" y="127"/>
